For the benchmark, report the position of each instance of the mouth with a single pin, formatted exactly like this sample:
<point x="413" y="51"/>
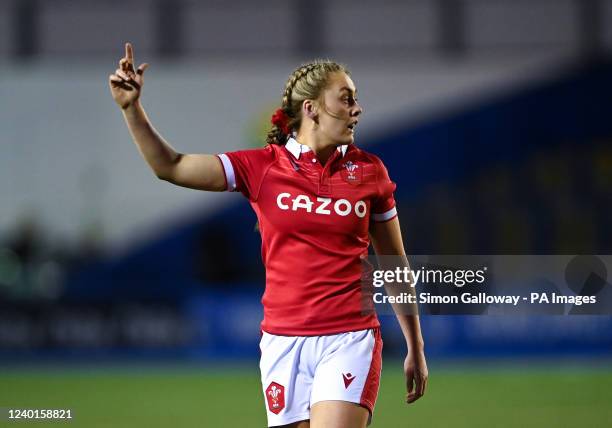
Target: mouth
<point x="351" y="126"/>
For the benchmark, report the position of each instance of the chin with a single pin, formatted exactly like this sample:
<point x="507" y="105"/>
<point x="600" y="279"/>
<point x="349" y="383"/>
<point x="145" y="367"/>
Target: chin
<point x="344" y="139"/>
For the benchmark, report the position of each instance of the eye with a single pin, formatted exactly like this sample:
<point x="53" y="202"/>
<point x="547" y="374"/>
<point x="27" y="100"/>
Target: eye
<point x="349" y="100"/>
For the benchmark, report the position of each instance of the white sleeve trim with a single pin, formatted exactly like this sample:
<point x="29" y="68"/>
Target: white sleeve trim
<point x="230" y="177"/>
<point x="385" y="216"/>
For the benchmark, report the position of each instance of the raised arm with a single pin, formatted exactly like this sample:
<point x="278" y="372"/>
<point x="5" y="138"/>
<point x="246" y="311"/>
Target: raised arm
<point x="197" y="171"/>
<point x="387" y="240"/>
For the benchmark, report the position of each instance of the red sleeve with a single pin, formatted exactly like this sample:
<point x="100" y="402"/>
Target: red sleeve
<point x="383" y="205"/>
<point x="245" y="169"/>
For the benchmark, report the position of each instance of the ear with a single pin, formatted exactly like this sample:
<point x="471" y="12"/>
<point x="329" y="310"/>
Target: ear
<point x="310" y="109"/>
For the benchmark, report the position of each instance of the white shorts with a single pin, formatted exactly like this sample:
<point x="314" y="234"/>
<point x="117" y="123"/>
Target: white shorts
<point x="299" y="371"/>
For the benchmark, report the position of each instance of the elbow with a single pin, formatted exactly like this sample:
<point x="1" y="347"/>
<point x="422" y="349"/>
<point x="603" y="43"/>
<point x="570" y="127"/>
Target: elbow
<point x="164" y="178"/>
<point x="162" y="174"/>
<point x="166" y="171"/>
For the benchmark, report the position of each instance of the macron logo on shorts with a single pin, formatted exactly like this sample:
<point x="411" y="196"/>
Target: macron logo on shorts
<point x="348" y="378"/>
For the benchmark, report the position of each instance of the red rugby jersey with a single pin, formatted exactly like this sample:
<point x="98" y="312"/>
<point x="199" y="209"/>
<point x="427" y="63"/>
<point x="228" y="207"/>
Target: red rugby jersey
<point x="314" y="223"/>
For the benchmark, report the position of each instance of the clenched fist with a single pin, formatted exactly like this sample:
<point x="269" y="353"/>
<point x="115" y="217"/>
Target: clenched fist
<point x="126" y="83"/>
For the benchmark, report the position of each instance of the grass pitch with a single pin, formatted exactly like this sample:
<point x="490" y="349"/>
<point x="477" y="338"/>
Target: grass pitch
<point x="222" y="396"/>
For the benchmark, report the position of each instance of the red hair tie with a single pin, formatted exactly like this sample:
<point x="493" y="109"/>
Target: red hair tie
<point x="281" y="120"/>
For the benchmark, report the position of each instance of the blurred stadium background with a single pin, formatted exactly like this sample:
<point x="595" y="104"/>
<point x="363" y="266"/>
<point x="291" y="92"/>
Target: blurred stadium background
<point x="136" y="303"/>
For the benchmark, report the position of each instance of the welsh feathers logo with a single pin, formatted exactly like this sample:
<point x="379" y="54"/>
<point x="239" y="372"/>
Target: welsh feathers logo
<point x="275" y="395"/>
<point x="351" y="173"/>
<point x="350" y="166"/>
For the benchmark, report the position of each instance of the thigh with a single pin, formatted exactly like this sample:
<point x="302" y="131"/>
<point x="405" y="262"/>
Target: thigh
<point x="350" y="370"/>
<point x="301" y="424"/>
<point x="285" y="381"/>
<point x="338" y="414"/>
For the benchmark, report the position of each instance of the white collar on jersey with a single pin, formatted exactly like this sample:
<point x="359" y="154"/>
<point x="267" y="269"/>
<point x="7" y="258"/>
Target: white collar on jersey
<point x="297" y="149"/>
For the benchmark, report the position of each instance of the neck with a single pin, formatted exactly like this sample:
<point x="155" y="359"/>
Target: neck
<point x="322" y="148"/>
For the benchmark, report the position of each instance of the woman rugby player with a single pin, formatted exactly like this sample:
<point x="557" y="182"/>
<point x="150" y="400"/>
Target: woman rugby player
<point x="319" y="201"/>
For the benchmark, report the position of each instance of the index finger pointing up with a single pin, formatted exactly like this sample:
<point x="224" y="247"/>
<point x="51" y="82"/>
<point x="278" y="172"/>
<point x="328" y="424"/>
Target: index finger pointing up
<point x="129" y="53"/>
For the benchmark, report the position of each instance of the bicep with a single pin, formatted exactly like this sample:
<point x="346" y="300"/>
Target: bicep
<point x="386" y="237"/>
<point x="197" y="171"/>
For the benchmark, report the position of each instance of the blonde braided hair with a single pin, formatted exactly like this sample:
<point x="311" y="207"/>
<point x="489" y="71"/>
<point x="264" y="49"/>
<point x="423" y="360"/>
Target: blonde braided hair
<point x="305" y="83"/>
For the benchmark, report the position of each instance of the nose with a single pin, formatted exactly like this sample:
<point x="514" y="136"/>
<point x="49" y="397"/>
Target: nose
<point x="357" y="109"/>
